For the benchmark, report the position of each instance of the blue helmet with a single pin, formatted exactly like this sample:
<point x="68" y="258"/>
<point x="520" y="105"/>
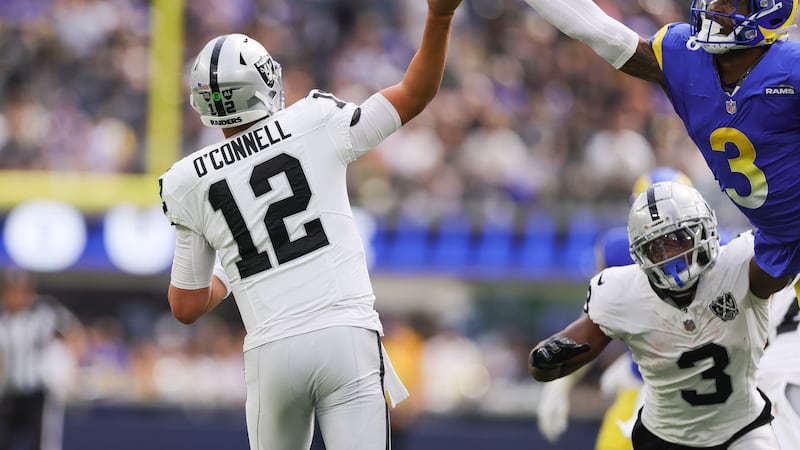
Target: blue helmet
<point x="765" y="22"/>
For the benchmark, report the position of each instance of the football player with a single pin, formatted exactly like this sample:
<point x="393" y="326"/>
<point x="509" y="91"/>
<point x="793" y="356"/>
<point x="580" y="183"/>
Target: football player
<point x="270" y="201"/>
<point x="730" y="75"/>
<point x="779" y="368"/>
<point x="622" y="378"/>
<point x="696" y="322"/>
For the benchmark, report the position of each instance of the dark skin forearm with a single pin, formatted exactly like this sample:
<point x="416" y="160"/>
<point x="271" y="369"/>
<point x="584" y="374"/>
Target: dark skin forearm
<point x="762" y="284"/>
<point x="583" y="330"/>
<point x="643" y="64"/>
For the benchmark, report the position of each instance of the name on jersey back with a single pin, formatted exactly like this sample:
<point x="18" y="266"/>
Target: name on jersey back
<point x="240" y="147"/>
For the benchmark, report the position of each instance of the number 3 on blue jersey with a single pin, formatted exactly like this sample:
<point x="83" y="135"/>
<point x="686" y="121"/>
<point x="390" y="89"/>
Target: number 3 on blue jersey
<point x="743" y="164"/>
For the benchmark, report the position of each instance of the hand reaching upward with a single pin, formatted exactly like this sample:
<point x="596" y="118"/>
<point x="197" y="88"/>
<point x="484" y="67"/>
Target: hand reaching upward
<point x="443" y="7"/>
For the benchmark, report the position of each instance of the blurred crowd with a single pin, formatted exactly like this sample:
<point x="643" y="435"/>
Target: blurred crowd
<point x="73" y="84"/>
<point x="526" y="118"/>
<point x="448" y="366"/>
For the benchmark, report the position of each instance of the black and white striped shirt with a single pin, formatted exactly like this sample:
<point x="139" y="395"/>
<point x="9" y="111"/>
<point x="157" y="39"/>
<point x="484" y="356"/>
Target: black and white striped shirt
<point x="25" y="337"/>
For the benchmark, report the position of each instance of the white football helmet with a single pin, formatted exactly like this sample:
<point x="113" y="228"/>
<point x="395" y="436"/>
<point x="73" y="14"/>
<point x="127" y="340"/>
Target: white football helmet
<point x="768" y="21"/>
<point x="235" y="81"/>
<point x="660" y="173"/>
<point x="669" y="216"/>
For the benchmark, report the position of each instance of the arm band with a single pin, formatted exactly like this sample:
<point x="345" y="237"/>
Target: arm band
<point x="585" y="21"/>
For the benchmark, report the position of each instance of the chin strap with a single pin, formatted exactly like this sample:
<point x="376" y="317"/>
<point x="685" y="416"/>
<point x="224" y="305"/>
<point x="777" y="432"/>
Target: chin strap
<point x="692" y="43"/>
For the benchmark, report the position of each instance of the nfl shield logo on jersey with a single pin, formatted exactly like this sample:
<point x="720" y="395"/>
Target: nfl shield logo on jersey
<point x="724" y="307"/>
<point x="730" y="106"/>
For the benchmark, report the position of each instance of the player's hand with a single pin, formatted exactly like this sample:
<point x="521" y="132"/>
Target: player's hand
<point x="552" y="411"/>
<point x="443" y="7"/>
<point x="556" y="351"/>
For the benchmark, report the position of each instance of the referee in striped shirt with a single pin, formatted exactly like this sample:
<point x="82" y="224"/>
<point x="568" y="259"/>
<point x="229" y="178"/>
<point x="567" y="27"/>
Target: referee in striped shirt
<point x="34" y="363"/>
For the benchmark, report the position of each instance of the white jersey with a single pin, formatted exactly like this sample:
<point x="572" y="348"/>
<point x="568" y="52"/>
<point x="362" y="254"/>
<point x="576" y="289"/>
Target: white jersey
<point x="784" y="334"/>
<point x="699" y="362"/>
<point x="779" y="369"/>
<point x="272" y="201"/>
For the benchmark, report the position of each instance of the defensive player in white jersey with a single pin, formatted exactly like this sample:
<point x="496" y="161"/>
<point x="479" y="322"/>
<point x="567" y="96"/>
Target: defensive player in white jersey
<point x="695" y="320"/>
<point x="779" y="369"/>
<point x="621" y="379"/>
<point x="270" y="201"/>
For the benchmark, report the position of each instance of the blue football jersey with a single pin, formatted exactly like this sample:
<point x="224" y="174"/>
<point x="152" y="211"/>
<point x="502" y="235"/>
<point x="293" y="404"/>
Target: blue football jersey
<point x="748" y="138"/>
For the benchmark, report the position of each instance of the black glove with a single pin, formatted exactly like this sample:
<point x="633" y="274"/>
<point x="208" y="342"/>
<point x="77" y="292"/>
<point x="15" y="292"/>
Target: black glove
<point x="556" y="351"/>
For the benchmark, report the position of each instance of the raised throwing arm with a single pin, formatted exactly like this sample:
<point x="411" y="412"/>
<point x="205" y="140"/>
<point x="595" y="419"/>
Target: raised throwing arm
<point x="424" y="74"/>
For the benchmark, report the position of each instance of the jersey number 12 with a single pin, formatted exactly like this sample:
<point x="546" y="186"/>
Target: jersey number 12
<point x="286" y="250"/>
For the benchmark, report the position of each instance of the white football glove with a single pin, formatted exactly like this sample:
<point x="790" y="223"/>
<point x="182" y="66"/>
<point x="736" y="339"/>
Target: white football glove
<point x="552" y="412"/>
<point x="619" y="376"/>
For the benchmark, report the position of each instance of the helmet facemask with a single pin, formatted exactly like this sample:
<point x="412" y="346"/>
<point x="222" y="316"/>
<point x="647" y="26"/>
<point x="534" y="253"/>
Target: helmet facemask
<point x="768" y="21"/>
<point x="234" y="81"/>
<point x="670" y="270"/>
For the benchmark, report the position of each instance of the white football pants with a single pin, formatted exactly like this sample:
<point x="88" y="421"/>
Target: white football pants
<point x="334" y="373"/>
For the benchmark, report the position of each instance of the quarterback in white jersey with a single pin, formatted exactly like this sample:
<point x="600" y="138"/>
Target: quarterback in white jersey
<point x="779" y="369"/>
<point x="282" y="182"/>
<point x="270" y="203"/>
<point x="695" y="320"/>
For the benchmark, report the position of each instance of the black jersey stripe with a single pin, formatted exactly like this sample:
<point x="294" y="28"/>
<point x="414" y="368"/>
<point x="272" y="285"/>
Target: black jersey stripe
<point x="651" y="204"/>
<point x="382" y="374"/>
<point x="213" y="80"/>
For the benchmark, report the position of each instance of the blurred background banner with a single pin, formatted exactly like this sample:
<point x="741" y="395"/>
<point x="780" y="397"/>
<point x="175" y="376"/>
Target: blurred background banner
<point x="481" y="214"/>
<point x="513" y="171"/>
